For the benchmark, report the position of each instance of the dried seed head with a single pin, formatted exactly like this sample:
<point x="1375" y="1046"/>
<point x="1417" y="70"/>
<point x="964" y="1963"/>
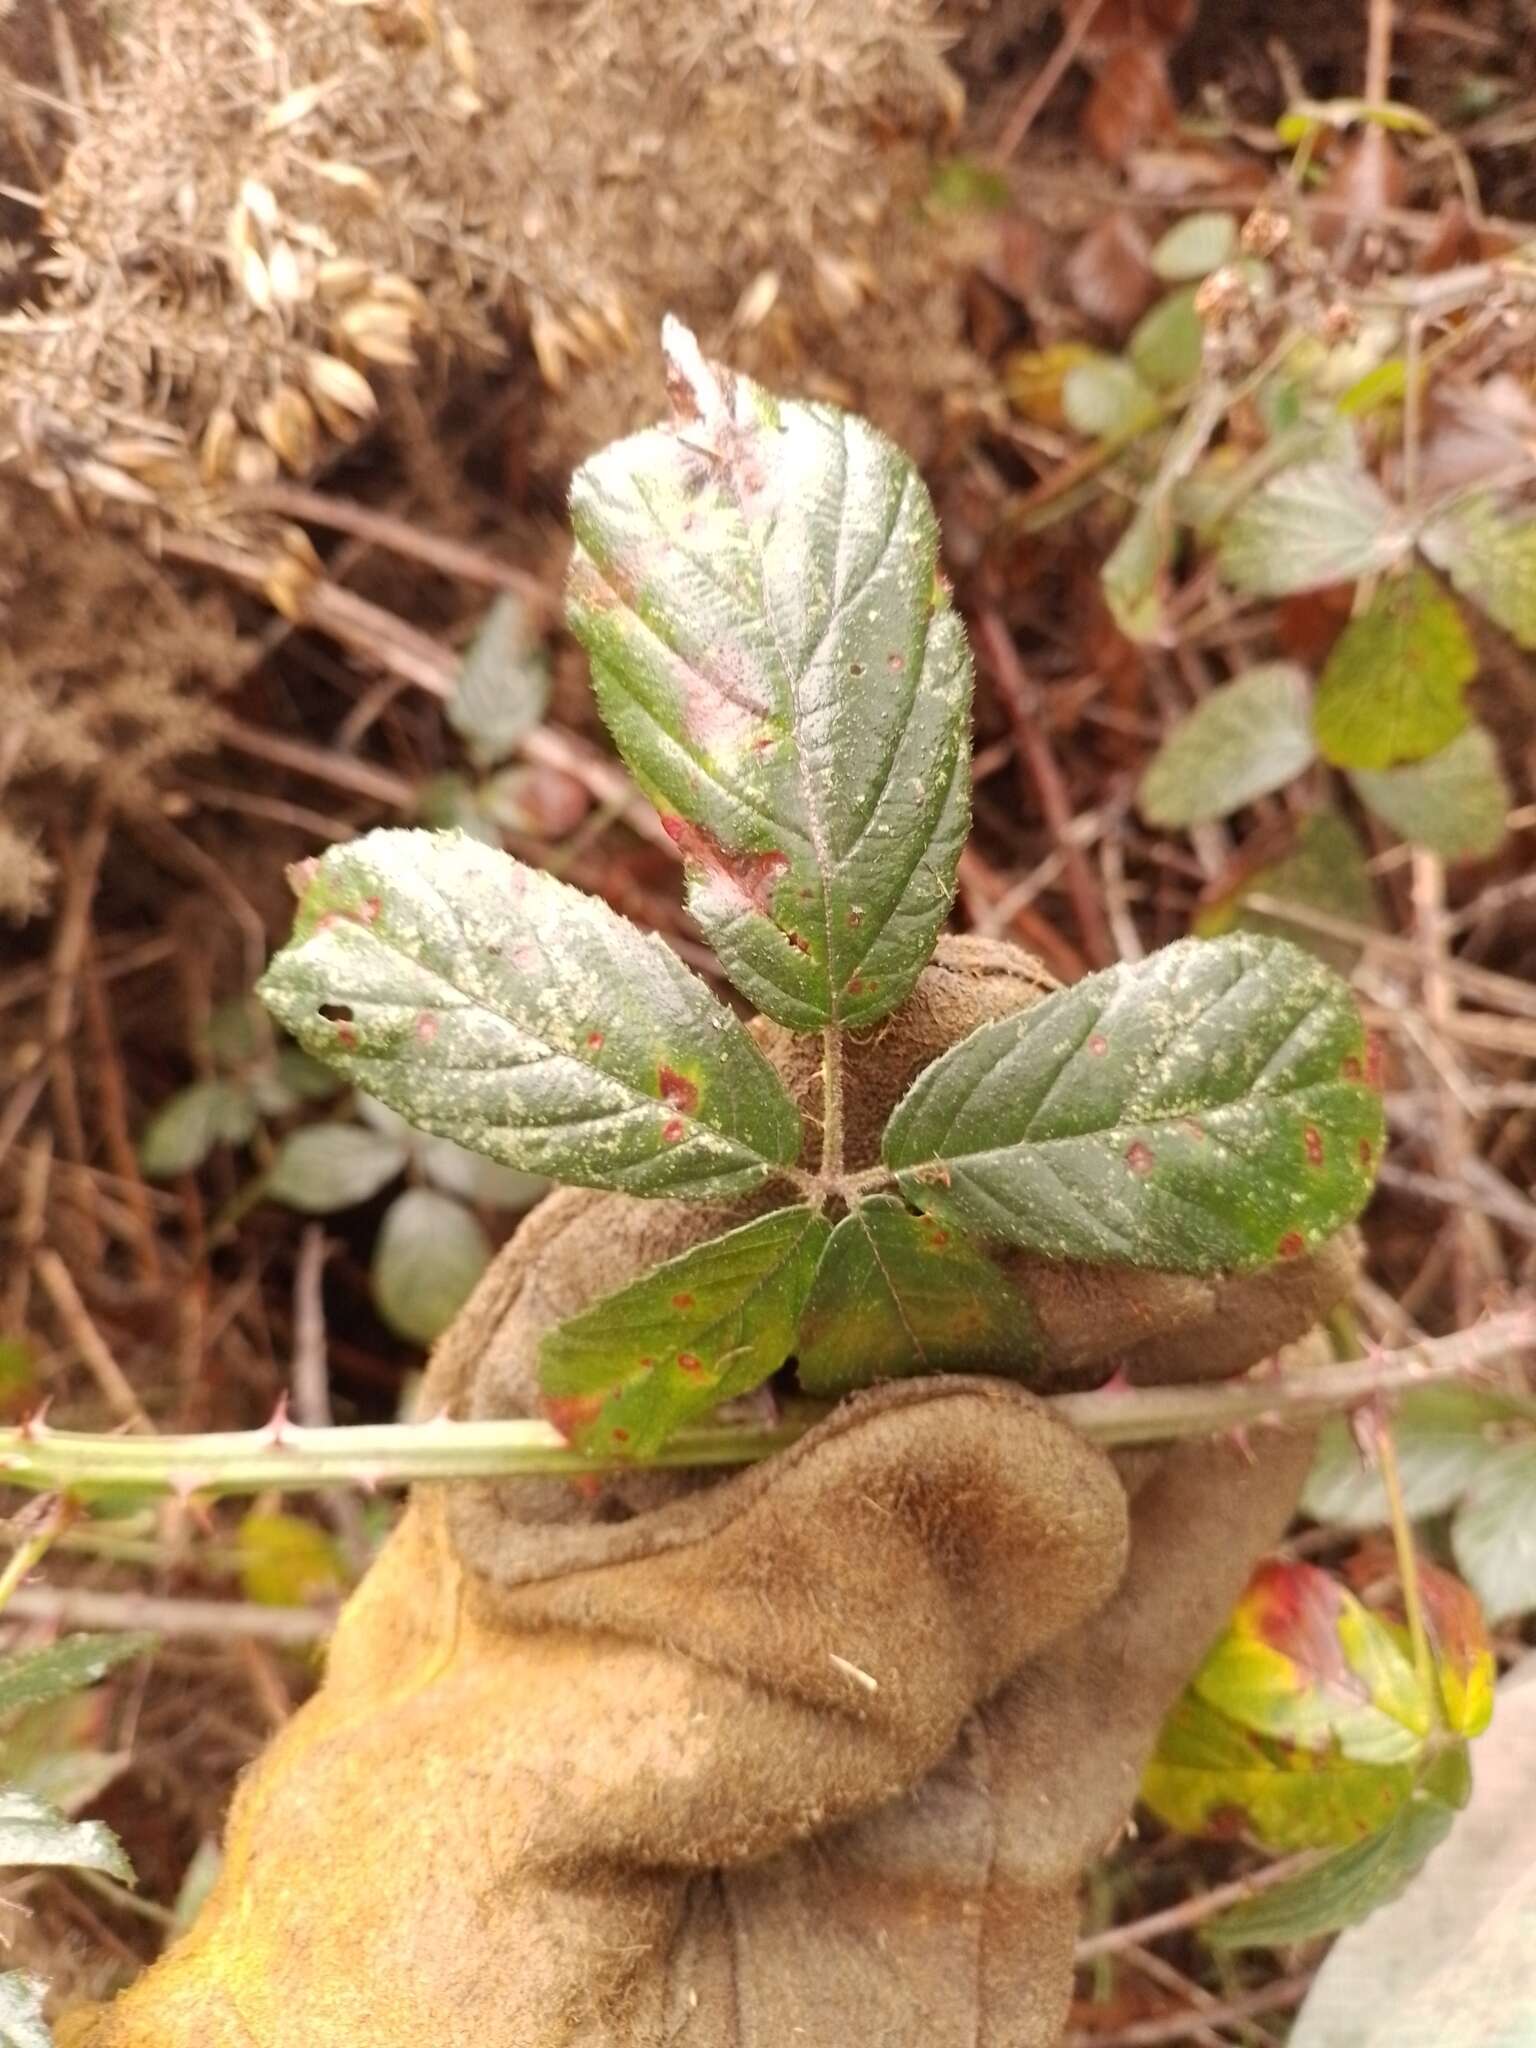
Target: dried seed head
<point x="378" y="332"/>
<point x="221" y="436"/>
<point x="342" y="396"/>
<point x="341" y="278"/>
<point x="287" y="422"/>
<point x="351" y="179"/>
<point x="1265" y="231"/>
<point x="255" y="462"/>
<point x="288" y="286"/>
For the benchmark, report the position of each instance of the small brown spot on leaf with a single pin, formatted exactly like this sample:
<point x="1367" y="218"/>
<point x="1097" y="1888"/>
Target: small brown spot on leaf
<point x="801" y="945"/>
<point x="572" y="1413"/>
<point x="1367" y="1152"/>
<point x="1350" y="1068"/>
<point x="594" y="1041"/>
<point x="368" y="910"/>
<point x="688" y="1362"/>
<point x="1313" y="1139"/>
<point x="855" y="919"/>
<point x="682" y="1301"/>
<point x="672" y="1130"/>
<point x="677" y="1089"/>
<point x="855" y="668"/>
<point x="1292" y="1245"/>
<point x="621" y="1436"/>
<point x="895" y="663"/>
<point x="1139" y="1158"/>
<point x="937" y="1238"/>
<point x="1098" y="1045"/>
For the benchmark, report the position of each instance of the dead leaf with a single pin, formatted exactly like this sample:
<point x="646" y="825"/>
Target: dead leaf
<point x="1131" y="102"/>
<point x="1110" y="275"/>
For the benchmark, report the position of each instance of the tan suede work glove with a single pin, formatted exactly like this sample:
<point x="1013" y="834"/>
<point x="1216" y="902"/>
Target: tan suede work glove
<point x="806" y="1757"/>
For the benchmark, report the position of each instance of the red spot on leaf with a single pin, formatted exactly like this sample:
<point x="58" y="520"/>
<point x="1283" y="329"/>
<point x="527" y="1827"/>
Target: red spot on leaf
<point x="572" y="1413"/>
<point x="1098" y="1045"/>
<point x="594" y="1041"/>
<point x="751" y="875"/>
<point x="621" y="1436"/>
<point x="1313" y="1139"/>
<point x="801" y="945"/>
<point x="1139" y="1158"/>
<point x="525" y="957"/>
<point x="1191" y="1129"/>
<point x="682" y="1301"/>
<point x="346" y="1036"/>
<point x="855" y="919"/>
<point x="672" y="1130"/>
<point x="426" y="1027"/>
<point x="895" y="663"/>
<point x="1366" y="1151"/>
<point x="677" y="1089"/>
<point x="937" y="1238"/>
<point x="368" y="910"/>
<point x="688" y="1362"/>
<point x="1292" y="1245"/>
<point x="1350" y="1068"/>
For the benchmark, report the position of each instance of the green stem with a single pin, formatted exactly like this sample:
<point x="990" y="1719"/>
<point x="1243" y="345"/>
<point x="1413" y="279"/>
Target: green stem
<point x="287" y="1458"/>
<point x="831" y="1104"/>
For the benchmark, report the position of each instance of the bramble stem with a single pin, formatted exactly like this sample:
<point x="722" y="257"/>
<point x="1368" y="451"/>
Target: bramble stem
<point x="831" y="1104"/>
<point x="287" y="1458"/>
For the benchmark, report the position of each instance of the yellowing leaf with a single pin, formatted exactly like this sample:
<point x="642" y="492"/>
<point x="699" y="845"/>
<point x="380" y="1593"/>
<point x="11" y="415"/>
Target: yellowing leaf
<point x="1394" y="688"/>
<point x="1035" y="379"/>
<point x="286" y="1561"/>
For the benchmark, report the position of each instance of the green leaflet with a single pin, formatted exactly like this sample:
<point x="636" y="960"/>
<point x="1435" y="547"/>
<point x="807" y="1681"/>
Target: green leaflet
<point x="1394" y="686"/>
<point x="1490" y="556"/>
<point x="1202" y="1110"/>
<point x="773" y="651"/>
<point x="491" y="1004"/>
<point x="1313" y="524"/>
<point x="1454" y="802"/>
<point x="711" y="1324"/>
<point x="1343" y="1888"/>
<point x="34" y="1833"/>
<point x="897" y="1294"/>
<point x="44" y="1676"/>
<point x="1246" y="738"/>
<point x="1494" y="1533"/>
<point x="429" y="1253"/>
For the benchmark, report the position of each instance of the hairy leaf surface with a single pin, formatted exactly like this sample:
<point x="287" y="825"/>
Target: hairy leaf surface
<point x="898" y="1294"/>
<point x="491" y="1004"/>
<point x="34" y="1833"/>
<point x="1316" y="523"/>
<point x="1205" y="1109"/>
<point x="711" y="1324"/>
<point x="778" y="661"/>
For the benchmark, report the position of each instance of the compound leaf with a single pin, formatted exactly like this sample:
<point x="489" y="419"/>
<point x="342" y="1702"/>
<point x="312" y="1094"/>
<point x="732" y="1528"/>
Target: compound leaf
<point x="1314" y="524"/>
<point x="1394" y="687"/>
<point x="34" y="1833"/>
<point x="1454" y="803"/>
<point x="1490" y="557"/>
<point x="1246" y="738"/>
<point x="1201" y="1110"/>
<point x="491" y="1004"/>
<point x="778" y="661"/>
<point x="709" y="1325"/>
<point x="897" y="1294"/>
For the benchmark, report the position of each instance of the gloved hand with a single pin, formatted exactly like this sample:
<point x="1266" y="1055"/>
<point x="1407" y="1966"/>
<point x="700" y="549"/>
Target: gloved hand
<point x="811" y="1755"/>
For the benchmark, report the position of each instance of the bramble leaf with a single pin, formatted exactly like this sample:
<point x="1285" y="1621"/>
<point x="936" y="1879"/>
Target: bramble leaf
<point x="1314" y="524"/>
<point x="326" y="1167"/>
<point x="43" y="1676"/>
<point x="1246" y="738"/>
<point x="1168" y="345"/>
<point x="898" y="1294"/>
<point x="491" y="1004"/>
<point x="1454" y="802"/>
<point x="1345" y="1888"/>
<point x="33" y="1833"/>
<point x="1303" y="1662"/>
<point x="1209" y="1775"/>
<point x="21" y="2011"/>
<point x="1494" y="1533"/>
<point x="1201" y="1110"/>
<point x="1107" y="399"/>
<point x="709" y="1325"/>
<point x="777" y="658"/>
<point x="1325" y="870"/>
<point x="428" y="1255"/>
<point x="185" y="1130"/>
<point x="286" y="1560"/>
<point x="1489" y="554"/>
<point x="1394" y="686"/>
<point x="502" y="688"/>
<point x="1195" y="246"/>
<point x="1444" y="1436"/>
